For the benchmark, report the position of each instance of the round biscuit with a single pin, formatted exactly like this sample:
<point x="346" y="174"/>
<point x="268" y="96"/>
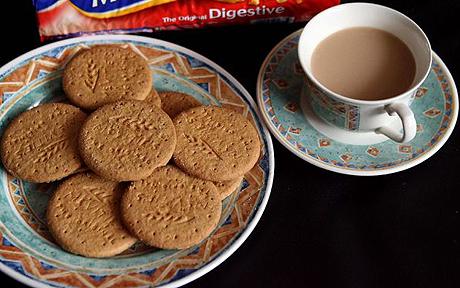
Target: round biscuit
<point x="83" y="217"/>
<point x="104" y="74"/>
<point x="173" y="103"/>
<point x="127" y="140"/>
<point x="170" y="209"/>
<point x="215" y="144"/>
<point x="225" y="188"/>
<point x="40" y="144"/>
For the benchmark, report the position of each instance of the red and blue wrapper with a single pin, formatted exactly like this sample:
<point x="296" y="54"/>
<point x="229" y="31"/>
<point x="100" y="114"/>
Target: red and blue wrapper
<point x="67" y="18"/>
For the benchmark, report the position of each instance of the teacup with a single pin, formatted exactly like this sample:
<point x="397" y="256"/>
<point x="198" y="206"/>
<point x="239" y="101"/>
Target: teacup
<point x="362" y="121"/>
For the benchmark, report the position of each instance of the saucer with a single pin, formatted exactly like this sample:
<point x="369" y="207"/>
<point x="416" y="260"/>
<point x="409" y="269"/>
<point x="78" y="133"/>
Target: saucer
<point x="280" y="84"/>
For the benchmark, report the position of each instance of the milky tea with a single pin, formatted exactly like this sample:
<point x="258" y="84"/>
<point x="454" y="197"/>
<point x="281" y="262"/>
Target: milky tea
<point x="364" y="63"/>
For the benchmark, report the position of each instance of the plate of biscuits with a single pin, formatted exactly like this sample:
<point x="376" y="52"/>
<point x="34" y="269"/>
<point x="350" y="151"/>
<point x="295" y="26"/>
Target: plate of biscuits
<point x="126" y="162"/>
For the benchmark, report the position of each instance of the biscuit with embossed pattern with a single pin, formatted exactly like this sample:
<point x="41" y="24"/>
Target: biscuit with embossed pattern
<point x="127" y="140"/>
<point x="40" y="145"/>
<point x="104" y="74"/>
<point x="215" y="144"/>
<point x="83" y="217"/>
<point x="170" y="209"/>
<point x="225" y="188"/>
<point x="173" y="103"/>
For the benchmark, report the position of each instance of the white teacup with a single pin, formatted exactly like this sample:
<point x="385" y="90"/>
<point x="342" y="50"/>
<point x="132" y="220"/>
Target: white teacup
<point x="363" y="121"/>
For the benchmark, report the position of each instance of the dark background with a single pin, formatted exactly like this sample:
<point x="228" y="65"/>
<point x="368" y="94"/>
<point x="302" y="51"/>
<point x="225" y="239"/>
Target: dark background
<point x="322" y="229"/>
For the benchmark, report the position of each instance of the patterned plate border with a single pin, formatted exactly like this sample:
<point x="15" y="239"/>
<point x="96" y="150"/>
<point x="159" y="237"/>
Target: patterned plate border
<point x="257" y="209"/>
<point x="283" y="47"/>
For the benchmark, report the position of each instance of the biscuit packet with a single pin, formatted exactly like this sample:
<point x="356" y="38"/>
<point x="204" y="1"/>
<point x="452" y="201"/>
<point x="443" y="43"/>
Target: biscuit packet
<point x="69" y="18"/>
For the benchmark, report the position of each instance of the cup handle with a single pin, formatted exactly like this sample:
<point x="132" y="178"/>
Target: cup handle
<point x="408" y="122"/>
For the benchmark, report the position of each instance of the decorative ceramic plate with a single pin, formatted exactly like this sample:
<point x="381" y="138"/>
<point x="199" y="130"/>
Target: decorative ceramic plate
<point x="281" y="80"/>
<point x="27" y="251"/>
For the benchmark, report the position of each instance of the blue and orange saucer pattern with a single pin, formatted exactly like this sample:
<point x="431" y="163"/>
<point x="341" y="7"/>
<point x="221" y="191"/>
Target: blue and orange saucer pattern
<point x="281" y="80"/>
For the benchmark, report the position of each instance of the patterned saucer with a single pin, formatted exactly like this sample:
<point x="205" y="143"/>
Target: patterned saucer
<point x="28" y="253"/>
<point x="280" y="83"/>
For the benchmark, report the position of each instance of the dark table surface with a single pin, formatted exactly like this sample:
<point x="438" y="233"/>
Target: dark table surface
<point x="322" y="229"/>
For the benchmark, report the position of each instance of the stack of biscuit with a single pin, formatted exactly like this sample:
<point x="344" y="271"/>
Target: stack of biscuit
<point x="133" y="164"/>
